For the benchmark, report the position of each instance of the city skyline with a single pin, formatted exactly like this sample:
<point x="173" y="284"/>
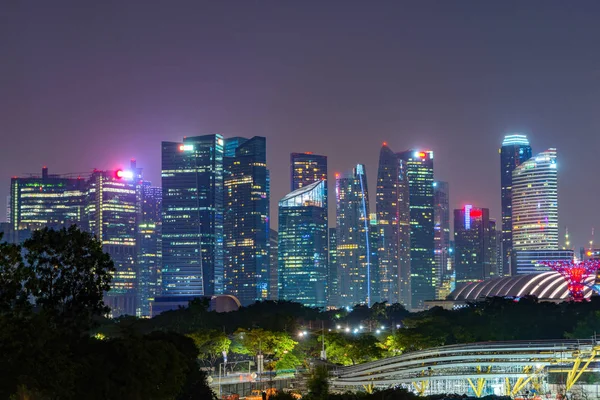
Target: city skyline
<point x="334" y="81"/>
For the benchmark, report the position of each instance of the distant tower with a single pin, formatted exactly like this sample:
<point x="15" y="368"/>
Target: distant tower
<point x="515" y="150"/>
<point x="353" y="238"/>
<point x="441" y="216"/>
<point x="303" y="242"/>
<point x="332" y="274"/>
<point x="475" y="243"/>
<point x="419" y="168"/>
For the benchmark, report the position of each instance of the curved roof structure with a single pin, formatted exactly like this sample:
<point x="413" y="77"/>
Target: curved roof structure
<point x="547" y="285"/>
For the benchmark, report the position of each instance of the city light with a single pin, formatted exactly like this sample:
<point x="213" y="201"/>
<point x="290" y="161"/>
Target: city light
<point x="121" y="174"/>
<point x="186" y="147"/>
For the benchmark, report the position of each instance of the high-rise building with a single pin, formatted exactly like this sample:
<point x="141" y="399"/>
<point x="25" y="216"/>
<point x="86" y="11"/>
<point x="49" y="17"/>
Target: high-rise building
<point x="419" y="168"/>
<point x="192" y="230"/>
<point x="441" y="218"/>
<point x="111" y="212"/>
<point x="332" y="274"/>
<point x="535" y="203"/>
<point x="149" y="257"/>
<point x="246" y="220"/>
<point x="393" y="223"/>
<point x="475" y="243"/>
<point x="353" y="238"/>
<point x="374" y="258"/>
<point x="273" y="269"/>
<point x="515" y="150"/>
<point x="303" y="237"/>
<point x="53" y="201"/>
<point x="307" y="168"/>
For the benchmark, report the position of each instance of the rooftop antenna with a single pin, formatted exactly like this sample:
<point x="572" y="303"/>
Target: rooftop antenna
<point x="567" y="243"/>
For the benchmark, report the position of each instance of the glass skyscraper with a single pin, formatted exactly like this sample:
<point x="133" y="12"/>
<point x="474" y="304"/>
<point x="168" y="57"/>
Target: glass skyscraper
<point x="192" y="230"/>
<point x="419" y="168"/>
<point x="515" y="150"/>
<point x="53" y="201"/>
<point x="393" y="224"/>
<point x="302" y="252"/>
<point x="246" y="219"/>
<point x="353" y="239"/>
<point x="535" y="203"/>
<point x="273" y="250"/>
<point x="332" y="274"/>
<point x="149" y="247"/>
<point x="474" y="244"/>
<point x="111" y="212"/>
<point x="441" y="217"/>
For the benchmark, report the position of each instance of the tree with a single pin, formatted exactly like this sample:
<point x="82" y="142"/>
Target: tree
<point x="211" y="344"/>
<point x="70" y="274"/>
<point x="318" y="384"/>
<point x="257" y="341"/>
<point x="349" y="349"/>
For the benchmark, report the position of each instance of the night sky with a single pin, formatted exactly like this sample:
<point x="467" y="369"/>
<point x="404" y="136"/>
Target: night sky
<point x="91" y="84"/>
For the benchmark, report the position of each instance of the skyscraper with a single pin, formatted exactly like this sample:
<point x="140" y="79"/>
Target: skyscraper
<point x="307" y="168"/>
<point x="393" y="224"/>
<point x="192" y="230"/>
<point x="419" y="168"/>
<point x="303" y="245"/>
<point x="111" y="211"/>
<point x="53" y="201"/>
<point x="246" y="220"/>
<point x="273" y="268"/>
<point x="441" y="217"/>
<point x="515" y="150"/>
<point x="353" y="238"/>
<point x="149" y="257"/>
<point x="535" y="203"/>
<point x="475" y="243"/>
<point x="332" y="274"/>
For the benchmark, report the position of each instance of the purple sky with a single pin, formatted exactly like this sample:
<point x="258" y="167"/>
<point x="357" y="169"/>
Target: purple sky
<point x="87" y="84"/>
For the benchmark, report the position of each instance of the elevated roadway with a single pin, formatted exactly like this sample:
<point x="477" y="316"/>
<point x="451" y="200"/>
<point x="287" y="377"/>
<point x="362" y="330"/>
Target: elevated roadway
<point x="503" y="368"/>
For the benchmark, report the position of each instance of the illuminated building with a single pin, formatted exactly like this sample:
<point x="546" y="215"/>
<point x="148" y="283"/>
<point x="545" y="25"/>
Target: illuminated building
<point x="192" y="230"/>
<point x="149" y="258"/>
<point x="535" y="203"/>
<point x="246" y="220"/>
<point x="111" y="213"/>
<point x="577" y="274"/>
<point x="393" y="225"/>
<point x="353" y="238"/>
<point x="441" y="220"/>
<point x="332" y="274"/>
<point x="307" y="168"/>
<point x="302" y="252"/>
<point x="273" y="251"/>
<point x="515" y="150"/>
<point x="419" y="168"/>
<point x="53" y="201"/>
<point x="474" y="244"/>
<point x="530" y="261"/>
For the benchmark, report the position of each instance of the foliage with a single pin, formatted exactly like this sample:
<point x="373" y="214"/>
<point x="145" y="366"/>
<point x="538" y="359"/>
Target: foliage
<point x="288" y="361"/>
<point x="318" y="383"/>
<point x="257" y="341"/>
<point x="348" y="349"/>
<point x="211" y="344"/>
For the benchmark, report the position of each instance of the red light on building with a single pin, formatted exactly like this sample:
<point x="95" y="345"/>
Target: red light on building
<point x="476" y="213"/>
<point x="422" y="154"/>
<point x="385" y="143"/>
<point x="120" y="174"/>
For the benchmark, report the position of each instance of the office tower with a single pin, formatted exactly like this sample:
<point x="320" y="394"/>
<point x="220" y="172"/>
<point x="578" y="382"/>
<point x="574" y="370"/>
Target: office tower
<point x="303" y="245"/>
<point x="246" y="219"/>
<point x="8" y="213"/>
<point x="111" y="213"/>
<point x="374" y="258"/>
<point x="53" y="201"/>
<point x="393" y="224"/>
<point x="419" y="168"/>
<point x="474" y="244"/>
<point x="332" y="274"/>
<point x="493" y="249"/>
<point x="149" y="257"/>
<point x="353" y="238"/>
<point x="515" y="150"/>
<point x="192" y="230"/>
<point x="273" y="276"/>
<point x="441" y="220"/>
<point x="535" y="203"/>
<point x="307" y="168"/>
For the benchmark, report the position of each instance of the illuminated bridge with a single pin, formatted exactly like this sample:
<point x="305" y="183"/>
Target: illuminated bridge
<point x="502" y="368"/>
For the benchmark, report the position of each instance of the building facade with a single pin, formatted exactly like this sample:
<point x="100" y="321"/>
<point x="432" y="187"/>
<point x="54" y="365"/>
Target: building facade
<point x="302" y="253"/>
<point x="441" y="220"/>
<point x="353" y="238"/>
<point x="332" y="274"/>
<point x="474" y="244"/>
<point x="419" y="169"/>
<point x="273" y="268"/>
<point x="515" y="150"/>
<point x="246" y="220"/>
<point x="192" y="230"/>
<point x="535" y="203"/>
